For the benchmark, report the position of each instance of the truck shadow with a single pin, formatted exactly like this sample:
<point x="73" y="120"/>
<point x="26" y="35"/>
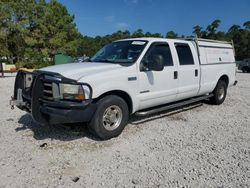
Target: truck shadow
<point x="65" y="132"/>
<point x="70" y="132"/>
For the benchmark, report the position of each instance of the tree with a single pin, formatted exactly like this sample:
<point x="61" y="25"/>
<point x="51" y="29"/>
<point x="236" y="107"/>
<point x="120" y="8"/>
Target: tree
<point x="33" y="31"/>
<point x="234" y="28"/>
<point x="34" y="39"/>
<point x="13" y="21"/>
<point x="199" y="32"/>
<point x="138" y="33"/>
<point x="171" y="35"/>
<point x="247" y="25"/>
<point x="239" y="36"/>
<point x="212" y="28"/>
<point x="4" y="18"/>
<point x="60" y="33"/>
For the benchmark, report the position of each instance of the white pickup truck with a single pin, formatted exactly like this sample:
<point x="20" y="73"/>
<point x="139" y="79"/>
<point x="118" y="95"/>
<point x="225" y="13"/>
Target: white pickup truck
<point x="140" y="75"/>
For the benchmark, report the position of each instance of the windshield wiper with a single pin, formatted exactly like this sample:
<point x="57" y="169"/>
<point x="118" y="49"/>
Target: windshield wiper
<point x="106" y="61"/>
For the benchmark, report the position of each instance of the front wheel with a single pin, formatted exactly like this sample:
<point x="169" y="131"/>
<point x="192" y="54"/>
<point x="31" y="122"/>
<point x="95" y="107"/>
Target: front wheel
<point x="219" y="93"/>
<point x="110" y="117"/>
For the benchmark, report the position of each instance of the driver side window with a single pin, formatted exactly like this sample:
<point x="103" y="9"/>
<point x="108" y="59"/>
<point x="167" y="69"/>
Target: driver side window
<point x="157" y="49"/>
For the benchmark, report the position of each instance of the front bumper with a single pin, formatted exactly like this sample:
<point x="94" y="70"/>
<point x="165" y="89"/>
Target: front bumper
<point x="56" y="113"/>
<point x="46" y="111"/>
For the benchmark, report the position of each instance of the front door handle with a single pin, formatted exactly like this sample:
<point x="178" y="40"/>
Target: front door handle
<point x="175" y="74"/>
<point x="196" y="72"/>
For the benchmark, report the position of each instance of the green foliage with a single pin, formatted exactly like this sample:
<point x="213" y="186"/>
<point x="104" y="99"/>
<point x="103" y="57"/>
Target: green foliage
<point x="90" y="45"/>
<point x="247" y="25"/>
<point x="33" y="31"/>
<point x="171" y="35"/>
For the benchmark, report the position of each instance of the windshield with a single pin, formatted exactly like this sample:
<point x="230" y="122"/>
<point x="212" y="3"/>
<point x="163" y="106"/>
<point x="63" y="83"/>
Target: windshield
<point x="125" y="52"/>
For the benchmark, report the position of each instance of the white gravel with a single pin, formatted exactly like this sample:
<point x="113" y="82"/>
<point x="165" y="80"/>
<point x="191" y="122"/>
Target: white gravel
<point x="204" y="146"/>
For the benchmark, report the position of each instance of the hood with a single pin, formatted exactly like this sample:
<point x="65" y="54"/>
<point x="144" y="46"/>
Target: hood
<point x="78" y="70"/>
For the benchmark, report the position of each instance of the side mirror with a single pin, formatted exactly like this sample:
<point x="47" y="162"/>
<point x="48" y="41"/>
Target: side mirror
<point x="156" y="63"/>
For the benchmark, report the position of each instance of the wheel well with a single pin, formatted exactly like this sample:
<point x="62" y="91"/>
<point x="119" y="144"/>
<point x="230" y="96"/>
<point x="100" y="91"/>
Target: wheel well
<point x="225" y="79"/>
<point x="125" y="96"/>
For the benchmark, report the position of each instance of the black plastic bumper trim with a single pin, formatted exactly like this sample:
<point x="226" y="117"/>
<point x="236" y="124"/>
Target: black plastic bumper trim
<point x="58" y="115"/>
<point x="66" y="104"/>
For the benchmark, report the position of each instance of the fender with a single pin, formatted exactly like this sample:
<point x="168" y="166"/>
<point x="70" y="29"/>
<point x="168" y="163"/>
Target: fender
<point x="102" y="87"/>
<point x="226" y="71"/>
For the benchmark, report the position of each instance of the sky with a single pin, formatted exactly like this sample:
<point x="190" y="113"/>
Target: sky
<point x="102" y="17"/>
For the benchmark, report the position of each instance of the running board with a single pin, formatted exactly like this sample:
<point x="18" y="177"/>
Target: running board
<point x="172" y="106"/>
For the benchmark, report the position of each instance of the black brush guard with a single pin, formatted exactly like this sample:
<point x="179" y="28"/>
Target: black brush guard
<point x="31" y="99"/>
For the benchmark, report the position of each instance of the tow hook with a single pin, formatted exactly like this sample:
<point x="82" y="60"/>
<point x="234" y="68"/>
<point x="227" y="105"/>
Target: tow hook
<point x="11" y="103"/>
<point x="19" y="101"/>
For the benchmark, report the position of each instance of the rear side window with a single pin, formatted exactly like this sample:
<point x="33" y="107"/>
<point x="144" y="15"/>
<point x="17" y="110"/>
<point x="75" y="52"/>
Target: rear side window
<point x="184" y="53"/>
<point x="162" y="49"/>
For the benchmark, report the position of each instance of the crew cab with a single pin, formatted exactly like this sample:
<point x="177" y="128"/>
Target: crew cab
<point x="132" y="76"/>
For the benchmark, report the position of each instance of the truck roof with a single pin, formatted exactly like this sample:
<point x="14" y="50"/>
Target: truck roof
<point x="151" y="39"/>
<point x="200" y="41"/>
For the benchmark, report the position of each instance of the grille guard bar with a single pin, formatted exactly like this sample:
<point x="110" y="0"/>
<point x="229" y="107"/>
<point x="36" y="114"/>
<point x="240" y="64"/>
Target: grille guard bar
<point x="45" y="76"/>
<point x="26" y="99"/>
<point x="58" y="78"/>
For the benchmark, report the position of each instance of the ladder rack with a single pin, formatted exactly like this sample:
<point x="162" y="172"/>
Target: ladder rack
<point x="196" y="40"/>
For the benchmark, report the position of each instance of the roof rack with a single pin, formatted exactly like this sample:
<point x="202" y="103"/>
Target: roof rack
<point x="206" y="40"/>
<point x="196" y="40"/>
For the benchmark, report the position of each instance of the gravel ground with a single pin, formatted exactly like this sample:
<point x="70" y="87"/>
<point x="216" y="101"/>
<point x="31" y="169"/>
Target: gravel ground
<point x="199" y="146"/>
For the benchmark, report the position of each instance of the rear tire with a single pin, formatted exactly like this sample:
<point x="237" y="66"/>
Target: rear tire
<point x="245" y="69"/>
<point x="110" y="117"/>
<point x="219" y="92"/>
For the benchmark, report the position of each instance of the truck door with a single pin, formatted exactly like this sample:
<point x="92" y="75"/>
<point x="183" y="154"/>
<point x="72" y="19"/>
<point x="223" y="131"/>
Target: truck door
<point x="157" y="87"/>
<point x="188" y="70"/>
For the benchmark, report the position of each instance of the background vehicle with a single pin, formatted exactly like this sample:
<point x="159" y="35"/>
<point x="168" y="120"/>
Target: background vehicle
<point x="126" y="77"/>
<point x="244" y="65"/>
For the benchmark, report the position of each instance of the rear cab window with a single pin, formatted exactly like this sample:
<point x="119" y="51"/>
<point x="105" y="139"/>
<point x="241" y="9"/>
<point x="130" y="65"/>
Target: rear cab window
<point x="184" y="54"/>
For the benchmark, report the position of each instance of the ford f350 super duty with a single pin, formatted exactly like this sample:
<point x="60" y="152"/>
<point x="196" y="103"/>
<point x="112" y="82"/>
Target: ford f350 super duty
<point x="140" y="75"/>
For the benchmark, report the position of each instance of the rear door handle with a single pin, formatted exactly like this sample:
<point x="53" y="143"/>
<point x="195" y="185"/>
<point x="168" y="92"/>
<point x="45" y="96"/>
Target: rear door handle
<point x="175" y="74"/>
<point x="196" y="72"/>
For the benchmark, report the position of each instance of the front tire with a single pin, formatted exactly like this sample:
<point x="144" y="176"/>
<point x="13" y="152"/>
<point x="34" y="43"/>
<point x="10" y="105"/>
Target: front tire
<point x="219" y="92"/>
<point x="110" y="117"/>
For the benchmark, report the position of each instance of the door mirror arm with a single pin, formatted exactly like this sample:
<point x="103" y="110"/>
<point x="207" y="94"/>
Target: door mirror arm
<point x="144" y="65"/>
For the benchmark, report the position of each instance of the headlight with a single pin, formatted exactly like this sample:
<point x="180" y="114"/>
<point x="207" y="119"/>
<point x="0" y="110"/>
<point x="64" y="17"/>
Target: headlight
<point x="74" y="92"/>
<point x="28" y="78"/>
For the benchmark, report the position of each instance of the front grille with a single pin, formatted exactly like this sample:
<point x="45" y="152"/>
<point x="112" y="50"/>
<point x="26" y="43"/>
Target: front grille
<point x="48" y="90"/>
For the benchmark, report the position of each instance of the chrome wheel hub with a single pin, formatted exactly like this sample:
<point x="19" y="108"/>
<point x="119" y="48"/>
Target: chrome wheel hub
<point x="112" y="117"/>
<point x="221" y="93"/>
